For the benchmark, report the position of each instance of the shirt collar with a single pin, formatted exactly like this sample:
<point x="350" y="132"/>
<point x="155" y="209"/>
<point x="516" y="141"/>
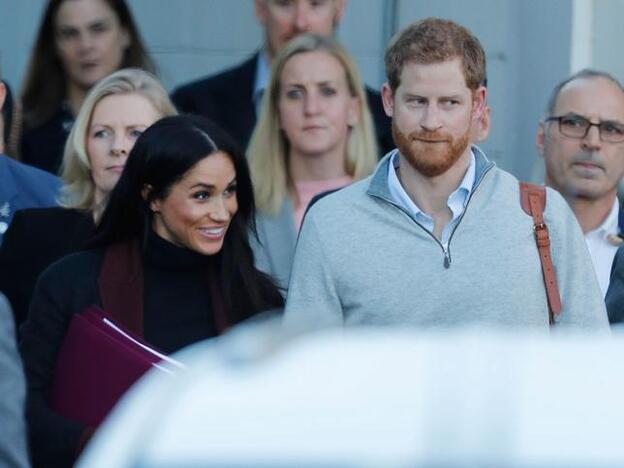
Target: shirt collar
<point x="459" y="196"/>
<point x="610" y="225"/>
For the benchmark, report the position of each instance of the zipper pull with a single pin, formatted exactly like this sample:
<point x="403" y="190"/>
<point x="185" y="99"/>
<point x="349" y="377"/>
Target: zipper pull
<point x="447" y="259"/>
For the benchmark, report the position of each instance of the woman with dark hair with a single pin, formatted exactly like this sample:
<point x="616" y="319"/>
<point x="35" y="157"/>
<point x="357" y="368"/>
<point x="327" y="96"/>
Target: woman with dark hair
<point x="79" y="42"/>
<point x="171" y="262"/>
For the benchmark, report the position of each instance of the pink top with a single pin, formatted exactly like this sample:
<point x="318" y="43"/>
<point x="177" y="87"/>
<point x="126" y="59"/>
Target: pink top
<point x="307" y="190"/>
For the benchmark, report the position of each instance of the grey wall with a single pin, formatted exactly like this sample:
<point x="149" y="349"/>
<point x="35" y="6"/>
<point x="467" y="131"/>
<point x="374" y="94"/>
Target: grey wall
<point x="607" y="34"/>
<point x="527" y="44"/>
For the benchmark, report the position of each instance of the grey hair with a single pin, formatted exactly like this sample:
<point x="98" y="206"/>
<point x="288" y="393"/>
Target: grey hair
<point x="587" y="74"/>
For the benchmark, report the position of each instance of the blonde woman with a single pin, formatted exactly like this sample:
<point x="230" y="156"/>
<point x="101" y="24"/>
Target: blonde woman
<point x="314" y="134"/>
<point x="114" y="113"/>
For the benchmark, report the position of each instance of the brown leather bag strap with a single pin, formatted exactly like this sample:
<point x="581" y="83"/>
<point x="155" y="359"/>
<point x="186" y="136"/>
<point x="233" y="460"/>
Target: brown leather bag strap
<point x="533" y="202"/>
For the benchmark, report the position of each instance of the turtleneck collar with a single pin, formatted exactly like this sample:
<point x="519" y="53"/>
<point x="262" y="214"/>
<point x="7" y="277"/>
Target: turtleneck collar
<point x="164" y="254"/>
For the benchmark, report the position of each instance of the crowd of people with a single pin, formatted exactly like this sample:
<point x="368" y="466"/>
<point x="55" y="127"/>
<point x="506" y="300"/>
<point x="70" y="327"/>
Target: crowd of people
<point x="285" y="186"/>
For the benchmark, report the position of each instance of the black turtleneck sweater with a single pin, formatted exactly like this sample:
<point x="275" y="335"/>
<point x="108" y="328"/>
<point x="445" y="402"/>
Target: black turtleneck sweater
<point x="177" y="302"/>
<point x="177" y="312"/>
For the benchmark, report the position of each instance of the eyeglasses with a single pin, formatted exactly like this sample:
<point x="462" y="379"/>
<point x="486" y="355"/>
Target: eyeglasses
<point x="576" y="126"/>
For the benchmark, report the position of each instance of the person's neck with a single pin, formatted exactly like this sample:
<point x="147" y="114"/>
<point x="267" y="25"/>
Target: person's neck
<point x="267" y="53"/>
<point x="591" y="213"/>
<point x="99" y="204"/>
<point x="75" y="97"/>
<point x="328" y="166"/>
<point x="431" y="194"/>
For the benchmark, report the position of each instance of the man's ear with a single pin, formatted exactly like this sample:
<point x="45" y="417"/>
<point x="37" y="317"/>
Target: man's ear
<point x="479" y="102"/>
<point x="387" y="99"/>
<point x="540" y="138"/>
<point x="260" y="8"/>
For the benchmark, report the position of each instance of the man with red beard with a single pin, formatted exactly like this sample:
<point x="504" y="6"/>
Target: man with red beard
<point x="437" y="237"/>
<point x="582" y="142"/>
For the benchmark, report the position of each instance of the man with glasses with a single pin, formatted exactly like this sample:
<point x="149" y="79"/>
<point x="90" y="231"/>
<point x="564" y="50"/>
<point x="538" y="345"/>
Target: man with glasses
<point x="582" y="142"/>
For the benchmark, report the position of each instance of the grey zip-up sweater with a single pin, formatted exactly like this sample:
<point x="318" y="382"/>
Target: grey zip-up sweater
<point x="362" y="259"/>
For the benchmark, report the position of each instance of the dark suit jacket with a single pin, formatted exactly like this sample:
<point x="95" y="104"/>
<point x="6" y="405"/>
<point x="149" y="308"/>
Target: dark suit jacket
<point x="43" y="146"/>
<point x="227" y="99"/>
<point x="614" y="298"/>
<point x="615" y="294"/>
<point x="36" y="238"/>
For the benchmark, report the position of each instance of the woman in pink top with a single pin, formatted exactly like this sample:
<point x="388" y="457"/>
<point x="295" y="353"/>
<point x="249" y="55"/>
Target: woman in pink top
<point x="314" y="134"/>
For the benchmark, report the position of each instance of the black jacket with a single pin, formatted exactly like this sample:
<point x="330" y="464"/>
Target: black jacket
<point x="177" y="311"/>
<point x="43" y="146"/>
<point x="36" y="238"/>
<point x="227" y="99"/>
<point x="615" y="294"/>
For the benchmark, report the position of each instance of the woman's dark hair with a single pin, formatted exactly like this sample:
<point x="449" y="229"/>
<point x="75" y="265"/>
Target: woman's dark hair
<point x="162" y="156"/>
<point x="45" y="83"/>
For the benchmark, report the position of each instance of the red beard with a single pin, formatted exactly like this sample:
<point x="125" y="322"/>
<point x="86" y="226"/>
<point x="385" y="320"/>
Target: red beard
<point x="433" y="156"/>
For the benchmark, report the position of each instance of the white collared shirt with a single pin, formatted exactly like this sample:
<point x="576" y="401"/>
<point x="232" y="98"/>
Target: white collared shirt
<point x="602" y="249"/>
<point x="263" y="71"/>
<point x="456" y="201"/>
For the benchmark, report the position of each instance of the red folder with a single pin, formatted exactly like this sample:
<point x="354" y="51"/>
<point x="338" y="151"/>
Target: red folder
<point x="97" y="363"/>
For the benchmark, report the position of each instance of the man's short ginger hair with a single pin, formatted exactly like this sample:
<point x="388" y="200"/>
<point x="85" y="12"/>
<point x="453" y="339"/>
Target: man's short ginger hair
<point x="435" y="40"/>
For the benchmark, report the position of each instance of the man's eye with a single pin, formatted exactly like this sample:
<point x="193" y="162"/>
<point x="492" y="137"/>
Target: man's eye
<point x="416" y="101"/>
<point x="574" y="122"/>
<point x="283" y="3"/>
<point x="612" y="128"/>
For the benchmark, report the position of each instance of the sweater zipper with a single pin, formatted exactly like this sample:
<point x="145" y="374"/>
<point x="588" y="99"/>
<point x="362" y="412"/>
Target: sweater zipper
<point x="446" y="251"/>
<point x="447" y="258"/>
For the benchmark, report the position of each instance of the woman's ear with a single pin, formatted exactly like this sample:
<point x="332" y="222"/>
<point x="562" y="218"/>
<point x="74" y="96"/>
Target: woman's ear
<point x="146" y="191"/>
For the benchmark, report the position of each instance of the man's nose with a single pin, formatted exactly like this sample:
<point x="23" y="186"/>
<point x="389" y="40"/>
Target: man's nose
<point x="302" y="17"/>
<point x="591" y="140"/>
<point x="431" y="119"/>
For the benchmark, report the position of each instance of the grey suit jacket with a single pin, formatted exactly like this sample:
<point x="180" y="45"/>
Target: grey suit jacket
<point x="13" y="391"/>
<point x="275" y="247"/>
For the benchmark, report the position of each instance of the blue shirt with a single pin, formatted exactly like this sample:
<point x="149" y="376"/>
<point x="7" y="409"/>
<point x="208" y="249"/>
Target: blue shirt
<point x="263" y="72"/>
<point x="456" y="201"/>
<point x="23" y="186"/>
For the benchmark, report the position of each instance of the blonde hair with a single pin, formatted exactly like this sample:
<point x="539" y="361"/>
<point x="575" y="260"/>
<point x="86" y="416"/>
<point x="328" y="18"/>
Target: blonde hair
<point x="268" y="148"/>
<point x="78" y="189"/>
